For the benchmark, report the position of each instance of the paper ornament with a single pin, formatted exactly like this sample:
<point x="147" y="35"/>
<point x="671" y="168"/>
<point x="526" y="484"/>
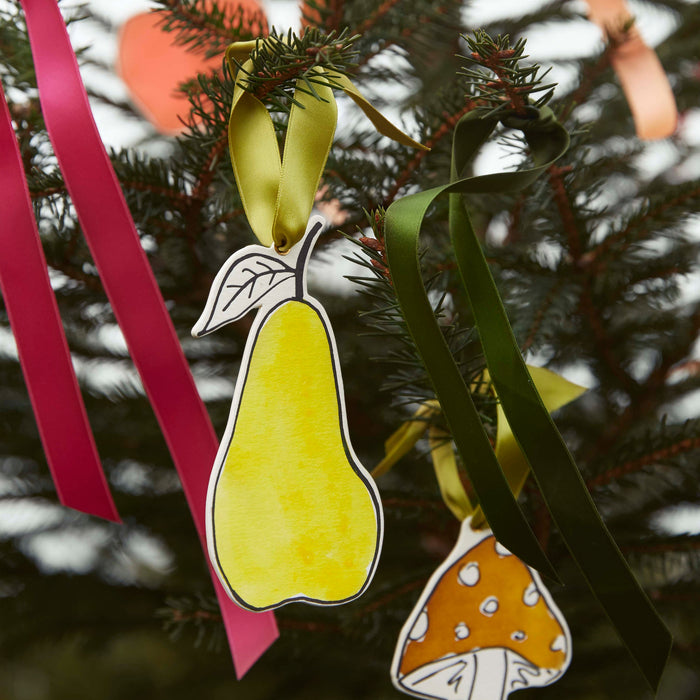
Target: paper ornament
<point x="484" y="626"/>
<point x="153" y="65"/>
<point x="639" y="70"/>
<point x="291" y="513"/>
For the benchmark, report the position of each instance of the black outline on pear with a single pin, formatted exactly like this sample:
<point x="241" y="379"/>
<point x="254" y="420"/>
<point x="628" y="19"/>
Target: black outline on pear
<point x="260" y="277"/>
<point x="481" y="673"/>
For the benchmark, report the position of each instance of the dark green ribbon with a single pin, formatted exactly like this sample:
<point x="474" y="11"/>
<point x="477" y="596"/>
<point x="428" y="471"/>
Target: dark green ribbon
<point x="563" y="490"/>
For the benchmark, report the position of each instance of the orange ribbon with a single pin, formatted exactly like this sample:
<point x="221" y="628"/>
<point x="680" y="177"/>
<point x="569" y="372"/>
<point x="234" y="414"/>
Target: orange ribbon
<point x="639" y="70"/>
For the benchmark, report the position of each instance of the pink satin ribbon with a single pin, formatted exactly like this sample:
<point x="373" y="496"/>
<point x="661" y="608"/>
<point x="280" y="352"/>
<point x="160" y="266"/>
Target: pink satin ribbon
<point x="639" y="70"/>
<point x="43" y="351"/>
<point x="133" y="293"/>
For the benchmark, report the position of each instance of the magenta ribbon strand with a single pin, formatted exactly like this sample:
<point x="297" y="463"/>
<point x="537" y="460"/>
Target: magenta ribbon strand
<point x="133" y="293"/>
<point x="41" y="344"/>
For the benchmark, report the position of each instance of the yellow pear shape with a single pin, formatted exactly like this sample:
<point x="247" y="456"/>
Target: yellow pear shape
<point x="292" y="514"/>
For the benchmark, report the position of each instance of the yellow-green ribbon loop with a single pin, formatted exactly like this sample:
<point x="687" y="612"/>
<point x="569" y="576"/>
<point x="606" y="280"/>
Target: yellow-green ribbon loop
<point x="555" y="392"/>
<point x="402" y="441"/>
<point x="278" y="192"/>
<point x="445" y="465"/>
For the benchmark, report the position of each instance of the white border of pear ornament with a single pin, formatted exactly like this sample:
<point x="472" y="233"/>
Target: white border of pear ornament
<point x="463" y="667"/>
<point x="260" y="277"/>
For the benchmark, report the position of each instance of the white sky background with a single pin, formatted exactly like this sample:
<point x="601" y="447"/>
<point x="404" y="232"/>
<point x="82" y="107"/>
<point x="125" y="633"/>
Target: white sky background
<point x="575" y="39"/>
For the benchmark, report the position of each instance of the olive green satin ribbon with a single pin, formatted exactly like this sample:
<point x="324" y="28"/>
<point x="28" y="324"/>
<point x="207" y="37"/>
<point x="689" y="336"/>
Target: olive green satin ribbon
<point x="558" y="478"/>
<point x="555" y="392"/>
<point x="278" y="192"/>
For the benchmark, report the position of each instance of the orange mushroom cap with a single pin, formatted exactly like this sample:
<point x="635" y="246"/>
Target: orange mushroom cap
<point x="484" y="626"/>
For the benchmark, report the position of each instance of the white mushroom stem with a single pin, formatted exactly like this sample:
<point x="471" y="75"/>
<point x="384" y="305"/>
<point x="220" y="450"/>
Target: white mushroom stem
<point x="491" y="675"/>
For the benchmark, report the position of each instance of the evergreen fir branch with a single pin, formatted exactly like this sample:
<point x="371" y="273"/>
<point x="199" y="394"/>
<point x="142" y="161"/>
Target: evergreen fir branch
<point x="662" y="545"/>
<point x="280" y="61"/>
<point x="124" y="106"/>
<point x="572" y="227"/>
<point x="199" y="614"/>
<point x="326" y="15"/>
<point x="539" y="315"/>
<point x="190" y="218"/>
<point x="590" y="72"/>
<point x="377" y="16"/>
<point x="653" y="217"/>
<point x="442" y="132"/>
<point x="408" y="381"/>
<point x="415" y="37"/>
<point x="210" y="27"/>
<point x="506" y="83"/>
<point x="661" y="455"/>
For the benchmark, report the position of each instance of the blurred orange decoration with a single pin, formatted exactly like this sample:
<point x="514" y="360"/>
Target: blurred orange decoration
<point x="312" y="17"/>
<point x="153" y="65"/>
<point x="639" y="70"/>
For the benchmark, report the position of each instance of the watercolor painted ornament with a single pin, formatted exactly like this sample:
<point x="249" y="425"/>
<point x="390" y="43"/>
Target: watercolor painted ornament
<point x="292" y="515"/>
<point x="484" y="626"/>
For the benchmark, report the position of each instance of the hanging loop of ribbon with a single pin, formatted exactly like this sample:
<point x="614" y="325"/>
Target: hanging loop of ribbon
<point x="555" y="392"/>
<point x="41" y="344"/>
<point x="138" y="307"/>
<point x="563" y="490"/>
<point x="442" y="454"/>
<point x="278" y="192"/>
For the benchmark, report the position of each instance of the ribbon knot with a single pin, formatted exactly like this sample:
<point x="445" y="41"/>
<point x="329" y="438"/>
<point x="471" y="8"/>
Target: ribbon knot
<point x="277" y="191"/>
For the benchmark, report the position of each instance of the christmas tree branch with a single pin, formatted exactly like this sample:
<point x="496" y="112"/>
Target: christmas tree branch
<point x="391" y="596"/>
<point x="541" y="312"/>
<point x="645" y="400"/>
<point x="587" y="83"/>
<point x="570" y="224"/>
<point x="685" y="544"/>
<point x="444" y="130"/>
<point x="173" y="194"/>
<point x="212" y="27"/>
<point x="623" y="239"/>
<point x="377" y="16"/>
<point x="281" y="61"/>
<point x="635" y="465"/>
<point x="208" y="171"/>
<point x="309" y="626"/>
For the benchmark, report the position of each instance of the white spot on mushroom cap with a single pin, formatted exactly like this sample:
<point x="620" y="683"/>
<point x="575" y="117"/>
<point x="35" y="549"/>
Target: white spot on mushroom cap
<point x="559" y="644"/>
<point x="531" y="595"/>
<point x="461" y="631"/>
<point x="469" y="574"/>
<point x="518" y="636"/>
<point x="501" y="550"/>
<point x="489" y="606"/>
<point x="420" y="627"/>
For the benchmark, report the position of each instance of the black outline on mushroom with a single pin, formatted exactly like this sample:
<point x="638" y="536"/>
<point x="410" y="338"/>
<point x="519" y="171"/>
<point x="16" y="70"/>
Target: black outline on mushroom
<point x="480" y="673"/>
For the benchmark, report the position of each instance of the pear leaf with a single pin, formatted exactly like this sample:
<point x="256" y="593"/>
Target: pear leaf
<point x="250" y="278"/>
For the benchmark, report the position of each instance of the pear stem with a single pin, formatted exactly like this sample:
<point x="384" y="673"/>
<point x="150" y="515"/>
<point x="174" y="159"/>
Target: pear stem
<point x="304" y="252"/>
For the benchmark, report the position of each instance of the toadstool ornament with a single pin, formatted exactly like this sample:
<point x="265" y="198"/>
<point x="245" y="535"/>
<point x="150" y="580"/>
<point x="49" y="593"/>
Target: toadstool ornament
<point x="484" y="626"/>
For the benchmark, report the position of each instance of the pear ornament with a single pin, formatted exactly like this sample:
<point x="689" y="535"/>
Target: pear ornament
<point x="292" y="515"/>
